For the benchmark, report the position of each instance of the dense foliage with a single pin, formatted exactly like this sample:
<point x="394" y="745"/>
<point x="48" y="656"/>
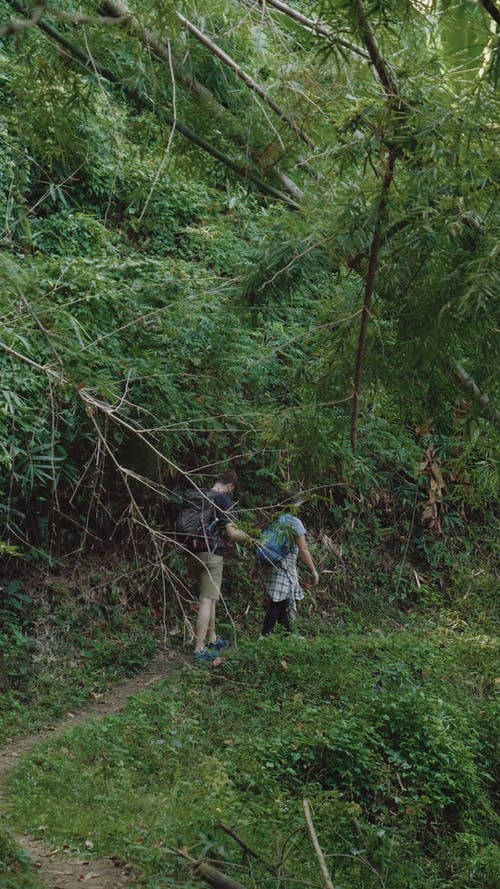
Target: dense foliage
<point x="140" y="272"/>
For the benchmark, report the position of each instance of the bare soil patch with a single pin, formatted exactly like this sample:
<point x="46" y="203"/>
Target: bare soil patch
<point x="60" y="872"/>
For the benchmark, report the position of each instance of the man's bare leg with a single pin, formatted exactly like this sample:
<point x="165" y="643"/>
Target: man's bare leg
<point x="203" y="622"/>
<point x="211" y="624"/>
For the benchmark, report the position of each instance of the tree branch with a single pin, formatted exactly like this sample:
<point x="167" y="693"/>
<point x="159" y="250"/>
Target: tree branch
<point x="491" y="9"/>
<point x="249" y="81"/>
<point x="379" y="63"/>
<point x="317" y="27"/>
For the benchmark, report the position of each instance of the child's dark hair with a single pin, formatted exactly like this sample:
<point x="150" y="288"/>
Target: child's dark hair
<point x="289" y="496"/>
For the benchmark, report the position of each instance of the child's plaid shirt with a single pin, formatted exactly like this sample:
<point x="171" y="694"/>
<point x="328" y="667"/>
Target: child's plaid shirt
<point x="281" y="581"/>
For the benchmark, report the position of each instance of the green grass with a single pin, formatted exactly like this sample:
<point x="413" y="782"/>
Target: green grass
<point x="390" y="735"/>
<point x="82" y="652"/>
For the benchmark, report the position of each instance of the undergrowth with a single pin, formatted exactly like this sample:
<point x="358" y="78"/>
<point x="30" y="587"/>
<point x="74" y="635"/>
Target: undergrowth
<point x="389" y="735"/>
<point x="64" y="642"/>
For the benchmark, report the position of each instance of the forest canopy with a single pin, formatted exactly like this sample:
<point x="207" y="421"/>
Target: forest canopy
<point x="245" y="229"/>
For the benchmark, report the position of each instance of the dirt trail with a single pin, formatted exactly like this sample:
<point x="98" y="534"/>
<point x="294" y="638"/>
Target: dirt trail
<point x="55" y="869"/>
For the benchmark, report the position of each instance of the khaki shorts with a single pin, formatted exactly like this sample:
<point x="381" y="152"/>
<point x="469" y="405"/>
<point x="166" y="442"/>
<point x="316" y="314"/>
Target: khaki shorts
<point x="207" y="569"/>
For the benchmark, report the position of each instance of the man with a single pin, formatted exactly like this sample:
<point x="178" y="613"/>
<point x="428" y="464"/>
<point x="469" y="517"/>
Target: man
<point x="207" y="562"/>
<point x="280" y="578"/>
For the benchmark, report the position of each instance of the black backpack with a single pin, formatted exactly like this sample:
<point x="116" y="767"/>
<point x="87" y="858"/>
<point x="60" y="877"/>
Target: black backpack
<point x="197" y="526"/>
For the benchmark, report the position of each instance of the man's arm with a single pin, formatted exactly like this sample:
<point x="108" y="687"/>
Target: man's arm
<point x="224" y="514"/>
<point x="234" y="533"/>
<point x="306" y="557"/>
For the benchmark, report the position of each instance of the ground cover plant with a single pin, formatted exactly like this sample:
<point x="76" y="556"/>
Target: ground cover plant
<point x="389" y="735"/>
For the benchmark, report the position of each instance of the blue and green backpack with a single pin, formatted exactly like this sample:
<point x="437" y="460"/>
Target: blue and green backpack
<point x="277" y="542"/>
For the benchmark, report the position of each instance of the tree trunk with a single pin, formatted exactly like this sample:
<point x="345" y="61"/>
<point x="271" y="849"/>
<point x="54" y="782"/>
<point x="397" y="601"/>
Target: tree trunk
<point x="369" y="288"/>
<point x="392" y="92"/>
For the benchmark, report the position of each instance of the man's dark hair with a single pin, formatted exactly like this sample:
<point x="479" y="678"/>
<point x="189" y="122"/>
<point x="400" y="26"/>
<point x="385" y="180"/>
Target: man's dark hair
<point x="228" y="477"/>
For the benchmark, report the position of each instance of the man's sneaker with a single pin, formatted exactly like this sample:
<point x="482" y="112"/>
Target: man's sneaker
<point x="205" y="656"/>
<point x="218" y="645"/>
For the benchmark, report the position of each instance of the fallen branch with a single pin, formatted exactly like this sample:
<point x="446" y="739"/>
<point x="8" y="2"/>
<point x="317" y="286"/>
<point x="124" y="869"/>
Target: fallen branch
<point x="210" y="874"/>
<point x="465" y="381"/>
<point x="247" y="849"/>
<point x="316" y="846"/>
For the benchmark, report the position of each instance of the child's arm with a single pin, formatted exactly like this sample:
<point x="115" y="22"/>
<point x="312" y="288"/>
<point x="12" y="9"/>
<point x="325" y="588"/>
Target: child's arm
<point x="306" y="557"/>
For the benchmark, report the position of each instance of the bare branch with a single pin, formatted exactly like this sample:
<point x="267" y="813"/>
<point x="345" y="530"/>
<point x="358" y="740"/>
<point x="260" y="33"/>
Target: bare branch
<point x="316" y="846"/>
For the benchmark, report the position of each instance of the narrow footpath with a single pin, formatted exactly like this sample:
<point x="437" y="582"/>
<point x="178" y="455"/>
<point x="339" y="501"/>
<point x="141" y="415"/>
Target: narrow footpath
<point x="54" y="866"/>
